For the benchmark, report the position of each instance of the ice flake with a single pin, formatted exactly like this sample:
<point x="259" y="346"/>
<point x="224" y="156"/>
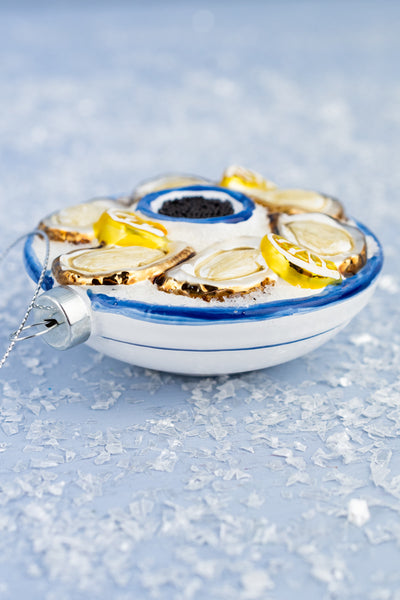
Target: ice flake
<point x="265" y="533"/>
<point x="114" y="446"/>
<point x="393" y="486"/>
<point x="226" y="390"/>
<point x="178" y="519"/>
<point x="247" y="449"/>
<point x="48" y="406"/>
<point x="89" y="483"/>
<point x="341" y="446"/>
<point x="358" y="512"/>
<point x="199" y="481"/>
<point x="216" y="430"/>
<point x="255" y="583"/>
<point x="86" y="453"/>
<point x="254" y="500"/>
<point x="51" y="460"/>
<point x="299" y="446"/>
<point x="35" y="408"/>
<point x="10" y="428"/>
<point x="285" y="452"/>
<point x="206" y="568"/>
<point x="320" y="457"/>
<point x="102" y="458"/>
<point x="347" y="483"/>
<point x="69" y="455"/>
<point x="37" y="512"/>
<point x="389" y="283"/>
<point x="11" y="391"/>
<point x="117" y="565"/>
<point x="328" y="569"/>
<point x="344" y="381"/>
<point x="7" y="523"/>
<point x="298" y="477"/>
<point x="70" y="396"/>
<point x="56" y="489"/>
<point x="223" y="452"/>
<point x="30" y="362"/>
<point x="237" y="474"/>
<point x="296" y="461"/>
<point x="308" y="515"/>
<point x="163" y="427"/>
<point x="165" y="461"/>
<point x="141" y="509"/>
<point x="154" y="579"/>
<point x="379" y="466"/>
<point x="363" y="339"/>
<point x="106" y="401"/>
<point x="378" y="535"/>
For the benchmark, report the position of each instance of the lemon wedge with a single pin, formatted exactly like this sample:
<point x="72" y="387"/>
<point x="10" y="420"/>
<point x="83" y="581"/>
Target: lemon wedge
<point x="245" y="180"/>
<point x="298" y="266"/>
<point x="125" y="228"/>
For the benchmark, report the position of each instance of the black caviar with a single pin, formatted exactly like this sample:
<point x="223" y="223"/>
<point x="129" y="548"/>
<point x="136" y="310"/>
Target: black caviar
<point x="196" y="207"/>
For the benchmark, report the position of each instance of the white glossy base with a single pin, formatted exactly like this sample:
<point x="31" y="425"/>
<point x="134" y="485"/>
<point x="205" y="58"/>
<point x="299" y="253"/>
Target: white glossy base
<point x="218" y="348"/>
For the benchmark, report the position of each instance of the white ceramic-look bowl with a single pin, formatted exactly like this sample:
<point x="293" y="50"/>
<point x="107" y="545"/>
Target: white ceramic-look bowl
<point x="211" y="341"/>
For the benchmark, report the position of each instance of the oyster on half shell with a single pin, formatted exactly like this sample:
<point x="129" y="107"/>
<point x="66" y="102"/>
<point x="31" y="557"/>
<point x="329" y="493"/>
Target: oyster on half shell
<point x="228" y="268"/>
<point x="266" y="192"/>
<point x="294" y="201"/>
<point x="112" y="265"/>
<point x="74" y="224"/>
<point x="166" y="182"/>
<point x="343" y="244"/>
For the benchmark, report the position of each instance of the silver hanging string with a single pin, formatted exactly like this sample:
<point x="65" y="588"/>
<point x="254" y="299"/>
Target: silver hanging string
<point x="16" y="336"/>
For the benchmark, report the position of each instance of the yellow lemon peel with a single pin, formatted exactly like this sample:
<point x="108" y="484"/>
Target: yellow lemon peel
<point x="125" y="228"/>
<point x="245" y="180"/>
<point x="298" y="266"/>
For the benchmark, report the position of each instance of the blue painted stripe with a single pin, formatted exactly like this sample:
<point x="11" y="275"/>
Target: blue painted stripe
<point x="33" y="266"/>
<point x="104" y="337"/>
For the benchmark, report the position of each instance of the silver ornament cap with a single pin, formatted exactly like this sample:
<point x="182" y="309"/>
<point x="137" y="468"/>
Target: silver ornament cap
<point x="68" y="316"/>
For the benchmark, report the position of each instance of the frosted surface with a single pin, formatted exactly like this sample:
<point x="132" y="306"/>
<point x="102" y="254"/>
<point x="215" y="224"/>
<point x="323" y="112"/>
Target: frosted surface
<point x="121" y="483"/>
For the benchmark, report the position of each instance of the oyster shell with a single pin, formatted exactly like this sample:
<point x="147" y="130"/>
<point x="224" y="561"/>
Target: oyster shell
<point x="294" y="201"/>
<point x="112" y="265"/>
<point x="228" y="268"/>
<point x="166" y="182"/>
<point x="74" y="224"/>
<point x="333" y="240"/>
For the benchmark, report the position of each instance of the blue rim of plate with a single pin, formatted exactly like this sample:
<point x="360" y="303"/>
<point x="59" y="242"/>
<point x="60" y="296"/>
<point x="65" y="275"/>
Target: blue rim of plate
<point x="145" y="204"/>
<point x="179" y="315"/>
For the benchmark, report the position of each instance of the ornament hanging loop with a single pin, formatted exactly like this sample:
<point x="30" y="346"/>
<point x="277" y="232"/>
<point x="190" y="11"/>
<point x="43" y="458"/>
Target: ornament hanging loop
<point x="17" y="333"/>
<point x="43" y="327"/>
<point x="62" y="316"/>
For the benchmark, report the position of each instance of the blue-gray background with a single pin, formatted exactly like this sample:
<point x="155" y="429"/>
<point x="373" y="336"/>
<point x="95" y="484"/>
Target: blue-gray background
<point x="121" y="483"/>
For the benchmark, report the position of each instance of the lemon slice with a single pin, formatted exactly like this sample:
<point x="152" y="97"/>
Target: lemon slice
<point x="125" y="228"/>
<point x="245" y="180"/>
<point x="297" y="265"/>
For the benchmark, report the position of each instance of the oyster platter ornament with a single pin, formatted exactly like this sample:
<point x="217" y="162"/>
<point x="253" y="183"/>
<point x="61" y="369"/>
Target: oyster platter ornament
<point x="200" y="277"/>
